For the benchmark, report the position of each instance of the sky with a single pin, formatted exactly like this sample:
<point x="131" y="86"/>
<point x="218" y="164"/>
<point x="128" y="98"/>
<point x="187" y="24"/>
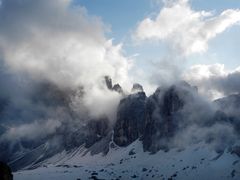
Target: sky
<point x="152" y="42"/>
<point x="123" y="17"/>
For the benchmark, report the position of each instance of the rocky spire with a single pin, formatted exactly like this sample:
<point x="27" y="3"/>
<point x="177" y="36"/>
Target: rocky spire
<point x="108" y="82"/>
<point x="117" y="88"/>
<point x="137" y="88"/>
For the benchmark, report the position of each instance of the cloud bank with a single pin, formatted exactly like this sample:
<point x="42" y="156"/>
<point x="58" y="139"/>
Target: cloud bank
<point x="60" y="43"/>
<point x="186" y="30"/>
<point x="54" y="41"/>
<point x="214" y="80"/>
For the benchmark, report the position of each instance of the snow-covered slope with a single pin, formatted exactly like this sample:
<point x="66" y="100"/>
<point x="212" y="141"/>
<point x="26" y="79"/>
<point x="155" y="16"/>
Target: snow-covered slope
<point x="195" y="162"/>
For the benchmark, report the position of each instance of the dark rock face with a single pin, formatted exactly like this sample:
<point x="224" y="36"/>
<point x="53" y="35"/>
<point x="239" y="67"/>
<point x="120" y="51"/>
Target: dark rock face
<point x="130" y="119"/>
<point x="228" y="111"/>
<point x="101" y="146"/>
<point x="117" y="88"/>
<point x="153" y="120"/>
<point x="108" y="82"/>
<point x="89" y="134"/>
<point x="5" y="172"/>
<point x="110" y="86"/>
<point x="137" y="88"/>
<point x="97" y="129"/>
<point x="163" y="113"/>
<point x="172" y="102"/>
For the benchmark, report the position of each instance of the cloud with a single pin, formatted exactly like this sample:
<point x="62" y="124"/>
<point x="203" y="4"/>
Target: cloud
<point x="186" y="30"/>
<point x="196" y="121"/>
<point x="32" y="131"/>
<point x="54" y="41"/>
<point x="62" y="44"/>
<point x="214" y="80"/>
<point x="218" y="137"/>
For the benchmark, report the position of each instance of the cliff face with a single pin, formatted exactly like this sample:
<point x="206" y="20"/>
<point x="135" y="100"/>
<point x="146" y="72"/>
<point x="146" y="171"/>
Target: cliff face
<point x="163" y="115"/>
<point x="153" y="119"/>
<point x="131" y="117"/>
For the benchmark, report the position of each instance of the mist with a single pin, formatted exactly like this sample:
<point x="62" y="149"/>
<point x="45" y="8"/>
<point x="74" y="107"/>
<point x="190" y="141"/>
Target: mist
<point x="54" y="60"/>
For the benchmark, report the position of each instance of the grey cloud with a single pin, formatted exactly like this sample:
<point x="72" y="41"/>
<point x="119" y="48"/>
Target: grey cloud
<point x="60" y="43"/>
<point x="214" y="80"/>
<point x="54" y="57"/>
<point x="228" y="84"/>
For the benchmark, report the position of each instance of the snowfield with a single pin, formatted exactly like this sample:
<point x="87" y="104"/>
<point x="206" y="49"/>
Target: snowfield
<point x="196" y="162"/>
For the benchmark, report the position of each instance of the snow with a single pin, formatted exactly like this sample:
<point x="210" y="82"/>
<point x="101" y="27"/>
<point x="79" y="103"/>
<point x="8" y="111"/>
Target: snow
<point x="195" y="162"/>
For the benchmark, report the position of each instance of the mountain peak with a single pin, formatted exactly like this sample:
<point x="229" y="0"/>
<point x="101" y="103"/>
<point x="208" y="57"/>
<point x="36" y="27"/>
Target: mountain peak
<point x="137" y="88"/>
<point x="117" y="88"/>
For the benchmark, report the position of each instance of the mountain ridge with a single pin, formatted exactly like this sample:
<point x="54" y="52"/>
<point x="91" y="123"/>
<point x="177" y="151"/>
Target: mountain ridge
<point x="157" y="121"/>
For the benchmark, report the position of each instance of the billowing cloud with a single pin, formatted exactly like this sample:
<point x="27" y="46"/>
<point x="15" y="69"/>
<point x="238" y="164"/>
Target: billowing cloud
<point x="214" y="80"/>
<point x="186" y="30"/>
<point x="55" y="41"/>
<point x="58" y="42"/>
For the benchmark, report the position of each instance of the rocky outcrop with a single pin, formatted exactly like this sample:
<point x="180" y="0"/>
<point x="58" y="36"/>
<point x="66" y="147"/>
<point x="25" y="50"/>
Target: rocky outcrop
<point x="228" y="110"/>
<point x="110" y="86"/>
<point x="117" y="88"/>
<point x="131" y="117"/>
<point x="153" y="120"/>
<point x="96" y="130"/>
<point x="108" y="82"/>
<point x="89" y="134"/>
<point x="5" y="172"/>
<point x="137" y="88"/>
<point x="163" y="114"/>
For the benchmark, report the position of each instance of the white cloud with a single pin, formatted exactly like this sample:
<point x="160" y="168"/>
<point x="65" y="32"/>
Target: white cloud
<point x="203" y="71"/>
<point x="213" y="80"/>
<point x="54" y="41"/>
<point x="57" y="42"/>
<point x="186" y="30"/>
